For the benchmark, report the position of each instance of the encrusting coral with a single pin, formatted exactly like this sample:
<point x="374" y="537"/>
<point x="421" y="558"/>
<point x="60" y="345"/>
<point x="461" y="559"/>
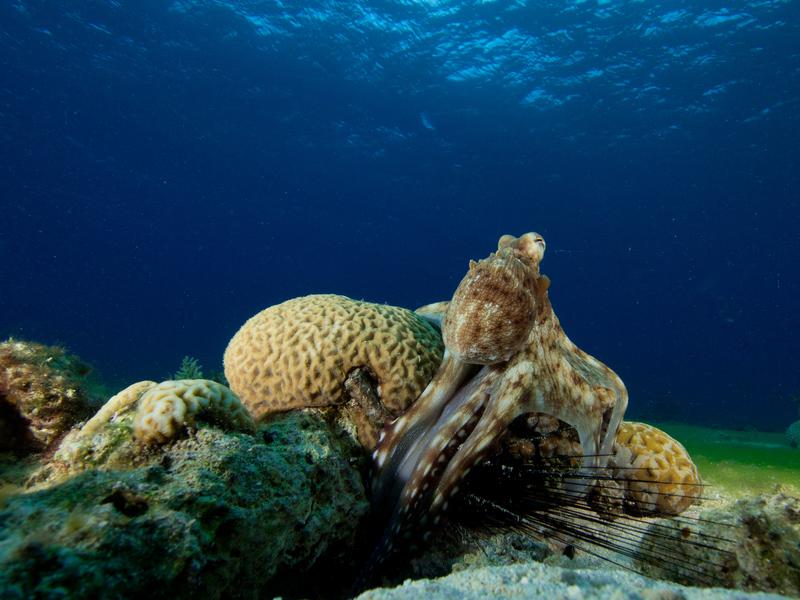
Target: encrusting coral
<point x="165" y="409"/>
<point x="105" y="440"/>
<point x="300" y="353"/>
<point x="116" y="405"/>
<point x="42" y="394"/>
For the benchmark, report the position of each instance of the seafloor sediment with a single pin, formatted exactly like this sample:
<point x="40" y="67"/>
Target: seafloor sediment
<point x="538" y="580"/>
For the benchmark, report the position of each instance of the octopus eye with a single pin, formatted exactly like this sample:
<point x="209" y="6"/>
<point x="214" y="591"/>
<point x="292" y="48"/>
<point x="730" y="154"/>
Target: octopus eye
<point x="531" y="245"/>
<point x="534" y="244"/>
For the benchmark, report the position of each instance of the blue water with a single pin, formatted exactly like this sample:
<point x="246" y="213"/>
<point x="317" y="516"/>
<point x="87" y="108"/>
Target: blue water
<point x="167" y="169"/>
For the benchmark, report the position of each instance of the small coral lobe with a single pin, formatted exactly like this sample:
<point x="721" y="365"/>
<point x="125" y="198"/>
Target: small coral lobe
<point x="171" y="407"/>
<point x="660" y="475"/>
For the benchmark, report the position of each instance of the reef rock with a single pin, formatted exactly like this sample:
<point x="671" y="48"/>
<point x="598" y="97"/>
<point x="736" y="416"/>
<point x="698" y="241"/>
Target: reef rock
<point x="213" y="514"/>
<point x="43" y="393"/>
<point x="761" y="536"/>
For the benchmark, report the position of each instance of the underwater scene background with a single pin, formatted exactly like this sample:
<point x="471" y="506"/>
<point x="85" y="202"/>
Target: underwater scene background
<point x="170" y="168"/>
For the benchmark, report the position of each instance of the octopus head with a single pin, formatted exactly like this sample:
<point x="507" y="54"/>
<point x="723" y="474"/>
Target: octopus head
<point x="531" y="246"/>
<point x="493" y="309"/>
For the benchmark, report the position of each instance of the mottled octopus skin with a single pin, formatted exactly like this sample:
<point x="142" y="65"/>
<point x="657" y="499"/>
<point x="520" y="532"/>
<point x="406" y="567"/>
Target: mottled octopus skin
<point x="485" y="382"/>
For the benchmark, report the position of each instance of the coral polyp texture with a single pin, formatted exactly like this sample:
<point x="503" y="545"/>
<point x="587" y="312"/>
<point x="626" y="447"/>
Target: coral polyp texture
<point x="41" y="394"/>
<point x="301" y="352"/>
<point x="171" y="406"/>
<point x="659" y="474"/>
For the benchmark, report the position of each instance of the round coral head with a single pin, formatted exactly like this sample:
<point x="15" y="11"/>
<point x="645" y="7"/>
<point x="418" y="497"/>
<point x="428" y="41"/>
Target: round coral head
<point x="299" y="354"/>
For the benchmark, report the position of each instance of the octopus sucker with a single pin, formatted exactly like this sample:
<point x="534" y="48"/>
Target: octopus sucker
<point x="505" y="355"/>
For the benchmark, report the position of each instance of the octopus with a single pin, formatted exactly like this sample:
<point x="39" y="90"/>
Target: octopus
<point x="505" y="355"/>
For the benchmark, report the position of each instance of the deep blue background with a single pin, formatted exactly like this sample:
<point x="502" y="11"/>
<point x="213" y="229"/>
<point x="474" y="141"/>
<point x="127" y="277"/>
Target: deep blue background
<point x="170" y="168"/>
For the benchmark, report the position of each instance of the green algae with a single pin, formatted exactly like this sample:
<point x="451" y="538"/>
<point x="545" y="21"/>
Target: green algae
<point x="740" y="463"/>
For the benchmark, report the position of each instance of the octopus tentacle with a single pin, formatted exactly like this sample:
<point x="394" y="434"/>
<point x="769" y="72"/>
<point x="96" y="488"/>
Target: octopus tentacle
<point x="609" y="397"/>
<point x="395" y="438"/>
<point x="441" y="442"/>
<point x="581" y="391"/>
<point x="403" y="494"/>
<point x="505" y="404"/>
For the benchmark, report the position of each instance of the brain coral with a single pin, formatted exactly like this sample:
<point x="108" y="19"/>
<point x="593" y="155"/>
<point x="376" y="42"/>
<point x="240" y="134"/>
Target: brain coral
<point x="299" y="354"/>
<point x="660" y="476"/>
<point x="165" y="409"/>
<point x="118" y="403"/>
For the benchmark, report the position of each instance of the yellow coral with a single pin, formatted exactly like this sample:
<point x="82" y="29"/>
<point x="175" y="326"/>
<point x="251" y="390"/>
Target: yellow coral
<point x="165" y="409"/>
<point x="115" y="405"/>
<point x="659" y="474"/>
<point x="299" y="353"/>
